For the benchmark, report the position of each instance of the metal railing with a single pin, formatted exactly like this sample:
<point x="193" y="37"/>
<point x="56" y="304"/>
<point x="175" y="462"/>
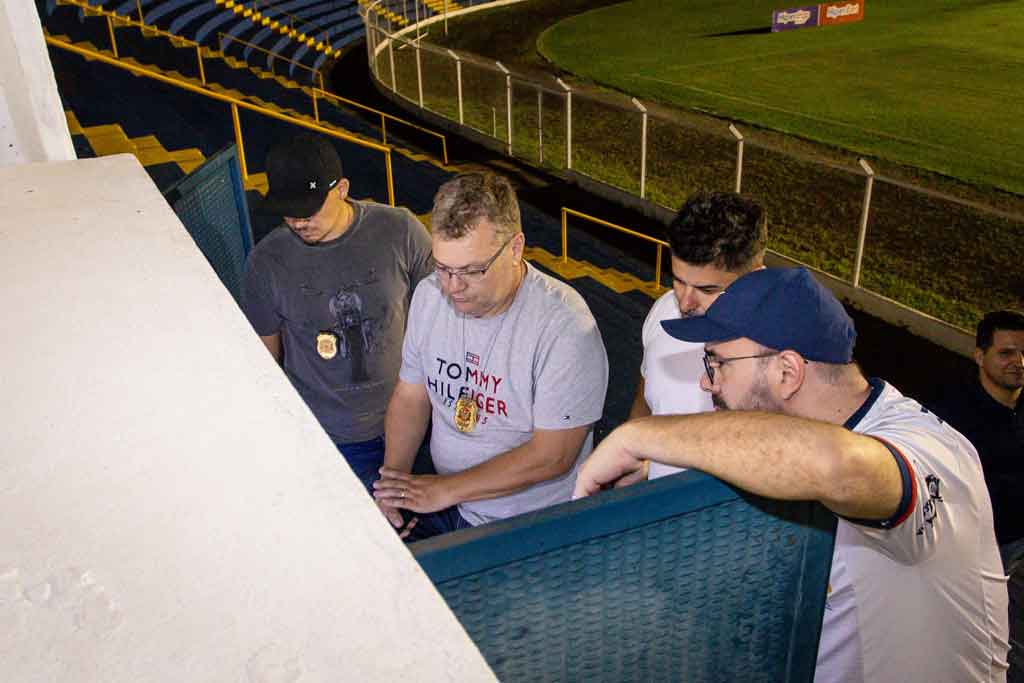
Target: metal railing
<point x="316" y="93"/>
<point x="262" y="6"/>
<point x="315" y="75"/>
<point x="661" y="244"/>
<point x="863" y="228"/>
<point x="115" y="20"/>
<point x="384" y="118"/>
<point x="235" y="104"/>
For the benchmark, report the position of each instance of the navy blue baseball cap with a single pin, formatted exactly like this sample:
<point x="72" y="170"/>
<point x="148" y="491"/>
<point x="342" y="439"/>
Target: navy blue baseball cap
<point x="780" y="308"/>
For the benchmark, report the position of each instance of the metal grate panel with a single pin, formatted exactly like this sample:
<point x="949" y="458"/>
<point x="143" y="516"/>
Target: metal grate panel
<point x="211" y="203"/>
<point x="683" y="578"/>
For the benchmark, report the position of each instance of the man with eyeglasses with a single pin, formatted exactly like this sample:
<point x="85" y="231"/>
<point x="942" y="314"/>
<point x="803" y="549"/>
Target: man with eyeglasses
<point x="504" y="362"/>
<point x="715" y="238"/>
<point x="916" y="591"/>
<point x="328" y="292"/>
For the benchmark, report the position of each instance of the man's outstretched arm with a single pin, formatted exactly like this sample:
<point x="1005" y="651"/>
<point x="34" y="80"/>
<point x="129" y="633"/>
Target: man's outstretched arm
<point x="771" y="455"/>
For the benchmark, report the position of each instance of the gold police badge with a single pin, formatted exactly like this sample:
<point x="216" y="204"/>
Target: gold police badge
<point x="465" y="414"/>
<point x="327" y="345"/>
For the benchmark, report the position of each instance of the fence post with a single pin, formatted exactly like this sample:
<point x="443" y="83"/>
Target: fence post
<point x="739" y="156"/>
<point x="643" y="146"/>
<point x="540" y="126"/>
<point x="657" y="268"/>
<point x="568" y="123"/>
<point x="868" y="185"/>
<point x="508" y="103"/>
<point x="419" y="74"/>
<point x="391" y="57"/>
<point x="446" y="17"/>
<point x="458" y="81"/>
<point x="239" y="142"/>
<point x="416" y="6"/>
<point x="371" y="26"/>
<point x="316" y="107"/>
<point x="565" y="237"/>
<point x="202" y="71"/>
<point x="113" y="40"/>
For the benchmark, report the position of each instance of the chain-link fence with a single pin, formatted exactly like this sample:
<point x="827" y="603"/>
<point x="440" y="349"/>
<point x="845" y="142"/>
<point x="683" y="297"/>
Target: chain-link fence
<point x="873" y="232"/>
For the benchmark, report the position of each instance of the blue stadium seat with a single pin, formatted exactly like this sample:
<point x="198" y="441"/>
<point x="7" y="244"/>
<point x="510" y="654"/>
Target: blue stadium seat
<point x="276" y="50"/>
<point x="129" y="7"/>
<point x="214" y="22"/>
<point x="199" y="11"/>
<point x="343" y="27"/>
<point x="272" y="12"/>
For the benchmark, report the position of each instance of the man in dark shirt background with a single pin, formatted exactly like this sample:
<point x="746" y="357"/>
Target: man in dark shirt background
<point x="989" y="411"/>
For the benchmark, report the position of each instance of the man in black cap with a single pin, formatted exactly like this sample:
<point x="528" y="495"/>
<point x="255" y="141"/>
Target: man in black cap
<point x="328" y="292"/>
<point x="916" y="590"/>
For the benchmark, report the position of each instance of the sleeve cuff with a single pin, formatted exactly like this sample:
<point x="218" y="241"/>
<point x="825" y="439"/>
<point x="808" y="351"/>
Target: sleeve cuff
<point x="907" y="500"/>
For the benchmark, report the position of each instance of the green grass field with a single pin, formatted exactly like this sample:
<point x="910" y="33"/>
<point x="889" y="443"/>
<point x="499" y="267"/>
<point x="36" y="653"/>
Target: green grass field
<point x="935" y="84"/>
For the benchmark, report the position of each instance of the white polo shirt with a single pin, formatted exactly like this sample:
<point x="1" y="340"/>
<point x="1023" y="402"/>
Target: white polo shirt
<point x="922" y="596"/>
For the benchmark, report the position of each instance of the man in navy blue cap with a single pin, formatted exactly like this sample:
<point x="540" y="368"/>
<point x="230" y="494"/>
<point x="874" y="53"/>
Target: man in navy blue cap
<point x="328" y="292"/>
<point x="916" y="590"/>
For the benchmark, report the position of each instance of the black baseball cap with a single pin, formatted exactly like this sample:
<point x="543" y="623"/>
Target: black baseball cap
<point x="300" y="173"/>
<point x="781" y="308"/>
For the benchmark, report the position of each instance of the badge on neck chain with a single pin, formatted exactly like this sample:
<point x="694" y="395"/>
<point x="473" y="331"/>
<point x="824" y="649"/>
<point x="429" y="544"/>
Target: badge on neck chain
<point x="465" y="414"/>
<point x="327" y="345"/>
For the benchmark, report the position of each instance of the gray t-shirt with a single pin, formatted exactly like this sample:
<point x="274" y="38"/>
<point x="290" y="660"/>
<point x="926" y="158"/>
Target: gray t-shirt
<point x="341" y="308"/>
<point x="539" y="365"/>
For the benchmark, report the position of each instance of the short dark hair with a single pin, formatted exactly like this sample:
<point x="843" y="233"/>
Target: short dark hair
<point x="722" y="229"/>
<point x="997" y="320"/>
<point x="467" y="198"/>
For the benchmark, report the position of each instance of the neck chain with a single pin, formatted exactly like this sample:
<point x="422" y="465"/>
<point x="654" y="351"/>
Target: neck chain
<point x="466" y="409"/>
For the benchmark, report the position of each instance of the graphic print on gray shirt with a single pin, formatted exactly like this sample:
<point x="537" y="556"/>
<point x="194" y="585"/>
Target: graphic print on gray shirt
<point x="341" y="308"/>
<point x="541" y="364"/>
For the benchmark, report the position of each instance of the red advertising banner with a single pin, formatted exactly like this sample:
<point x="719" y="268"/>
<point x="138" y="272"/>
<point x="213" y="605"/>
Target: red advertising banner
<point x="842" y="12"/>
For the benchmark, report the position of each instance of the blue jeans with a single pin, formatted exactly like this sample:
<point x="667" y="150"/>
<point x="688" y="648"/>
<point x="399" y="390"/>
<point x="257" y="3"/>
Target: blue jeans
<point x="365" y="459"/>
<point x="436" y="523"/>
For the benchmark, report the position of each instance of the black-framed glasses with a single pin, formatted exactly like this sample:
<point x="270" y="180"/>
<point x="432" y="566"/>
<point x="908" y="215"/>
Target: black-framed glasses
<point x="712" y="362"/>
<point x="470" y="275"/>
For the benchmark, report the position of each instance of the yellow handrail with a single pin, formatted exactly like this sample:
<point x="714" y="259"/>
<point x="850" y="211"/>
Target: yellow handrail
<point x="221" y="36"/>
<point x="566" y="212"/>
<point x="124" y="20"/>
<point x="235" y="104"/>
<point x="384" y="116"/>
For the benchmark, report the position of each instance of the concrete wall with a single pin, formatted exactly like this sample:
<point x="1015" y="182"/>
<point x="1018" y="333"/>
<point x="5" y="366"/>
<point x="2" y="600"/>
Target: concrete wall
<point x="32" y="123"/>
<point x="170" y="510"/>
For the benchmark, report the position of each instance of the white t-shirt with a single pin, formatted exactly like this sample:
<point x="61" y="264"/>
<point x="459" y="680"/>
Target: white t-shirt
<point x="920" y="597"/>
<point x="540" y="364"/>
<point x="671" y="370"/>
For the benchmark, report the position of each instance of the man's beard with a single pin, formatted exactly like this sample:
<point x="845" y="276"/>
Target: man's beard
<point x="759" y="398"/>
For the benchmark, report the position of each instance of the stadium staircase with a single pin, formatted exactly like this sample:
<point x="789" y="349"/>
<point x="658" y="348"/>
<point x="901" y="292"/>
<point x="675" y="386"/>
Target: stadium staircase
<point x="172" y="131"/>
<point x="290" y="33"/>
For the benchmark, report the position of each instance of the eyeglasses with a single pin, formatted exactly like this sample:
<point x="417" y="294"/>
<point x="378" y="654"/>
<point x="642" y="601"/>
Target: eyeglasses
<point x="471" y="275"/>
<point x="712" y="362"/>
